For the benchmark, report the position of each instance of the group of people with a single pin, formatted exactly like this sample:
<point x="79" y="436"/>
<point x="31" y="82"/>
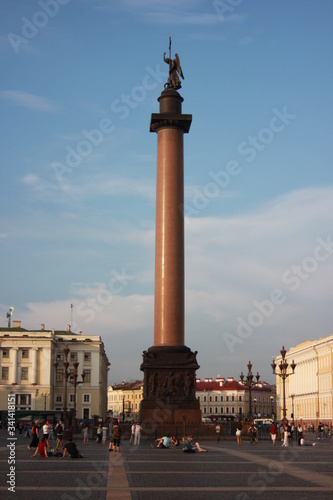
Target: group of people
<point x="135" y="433"/>
<point x="286" y="431"/>
<point x="40" y="441"/>
<point x="189" y="443"/>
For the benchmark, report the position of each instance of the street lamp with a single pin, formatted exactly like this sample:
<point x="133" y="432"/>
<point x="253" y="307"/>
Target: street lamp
<point x="249" y="383"/>
<point x="283" y="366"/>
<point x="272" y="412"/>
<point x="73" y="380"/>
<point x="44" y="395"/>
<point x="255" y="406"/>
<point x="72" y="376"/>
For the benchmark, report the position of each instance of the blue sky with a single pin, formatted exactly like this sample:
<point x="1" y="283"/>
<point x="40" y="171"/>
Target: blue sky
<point x="79" y="82"/>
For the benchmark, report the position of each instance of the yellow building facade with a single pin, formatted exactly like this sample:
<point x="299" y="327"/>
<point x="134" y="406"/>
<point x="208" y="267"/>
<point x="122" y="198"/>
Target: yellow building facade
<point x="27" y="369"/>
<point x="309" y="391"/>
<point x="124" y="400"/>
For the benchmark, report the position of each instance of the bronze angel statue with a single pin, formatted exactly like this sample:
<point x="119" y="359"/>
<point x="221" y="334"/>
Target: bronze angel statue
<point x="175" y="69"/>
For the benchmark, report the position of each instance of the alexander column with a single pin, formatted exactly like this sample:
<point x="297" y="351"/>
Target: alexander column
<point x="169" y="366"/>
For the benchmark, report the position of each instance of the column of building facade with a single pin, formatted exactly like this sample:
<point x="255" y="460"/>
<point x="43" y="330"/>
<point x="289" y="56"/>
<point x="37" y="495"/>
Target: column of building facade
<point x="13" y="371"/>
<point x="34" y="366"/>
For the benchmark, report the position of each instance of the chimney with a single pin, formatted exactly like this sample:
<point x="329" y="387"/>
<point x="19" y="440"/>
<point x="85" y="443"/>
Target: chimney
<point x="42" y="326"/>
<point x="68" y="327"/>
<point x="16" y="324"/>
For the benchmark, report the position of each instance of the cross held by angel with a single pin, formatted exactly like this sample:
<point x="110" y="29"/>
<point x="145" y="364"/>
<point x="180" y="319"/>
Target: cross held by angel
<point x="175" y="70"/>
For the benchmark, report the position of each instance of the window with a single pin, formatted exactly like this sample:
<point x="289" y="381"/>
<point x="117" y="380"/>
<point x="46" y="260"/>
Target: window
<point x="221" y="398"/>
<point x="87" y="357"/>
<point x="232" y="398"/>
<point x="5" y="353"/>
<point x="215" y="399"/>
<point x="73" y="356"/>
<point x="216" y="409"/>
<point x="240" y="398"/>
<point x="60" y="356"/>
<point x="210" y="409"/>
<point x="233" y="410"/>
<point x="59" y="376"/>
<point x="24" y="373"/>
<point x="25" y="353"/>
<point x="205" y="398"/>
<point x="240" y="410"/>
<point x="205" y="409"/>
<point x="227" y="409"/>
<point x="227" y="398"/>
<point x="210" y="398"/>
<point x="4" y="373"/>
<point x="71" y="398"/>
<point x="221" y="409"/>
<point x="87" y="375"/>
<point x="86" y="398"/>
<point x="58" y="398"/>
<point x="23" y="399"/>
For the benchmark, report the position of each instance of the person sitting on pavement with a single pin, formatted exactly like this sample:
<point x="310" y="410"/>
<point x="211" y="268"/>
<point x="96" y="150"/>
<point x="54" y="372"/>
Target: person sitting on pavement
<point x="71" y="447"/>
<point x="191" y="447"/>
<point x="303" y="443"/>
<point x="163" y="442"/>
<point x="41" y="448"/>
<point x="174" y="441"/>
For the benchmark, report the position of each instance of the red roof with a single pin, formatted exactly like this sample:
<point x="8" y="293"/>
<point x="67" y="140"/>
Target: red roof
<point x="231" y="385"/>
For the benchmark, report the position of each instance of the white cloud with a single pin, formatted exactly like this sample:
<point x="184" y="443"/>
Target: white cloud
<point x="26" y="100"/>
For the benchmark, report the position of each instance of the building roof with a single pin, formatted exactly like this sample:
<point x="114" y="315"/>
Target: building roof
<point x="128" y="386"/>
<point x="229" y="385"/>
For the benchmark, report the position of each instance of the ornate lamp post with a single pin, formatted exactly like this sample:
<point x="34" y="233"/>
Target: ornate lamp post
<point x="71" y="377"/>
<point x="272" y="409"/>
<point x="283" y="366"/>
<point x="73" y="380"/>
<point x="249" y="383"/>
<point x="44" y="395"/>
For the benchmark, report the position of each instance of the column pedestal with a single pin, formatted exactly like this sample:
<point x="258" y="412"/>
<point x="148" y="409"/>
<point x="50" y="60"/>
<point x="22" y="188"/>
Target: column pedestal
<point x="169" y="385"/>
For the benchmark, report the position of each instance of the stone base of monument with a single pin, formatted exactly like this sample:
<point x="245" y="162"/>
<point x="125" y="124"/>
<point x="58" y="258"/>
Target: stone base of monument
<point x="169" y="386"/>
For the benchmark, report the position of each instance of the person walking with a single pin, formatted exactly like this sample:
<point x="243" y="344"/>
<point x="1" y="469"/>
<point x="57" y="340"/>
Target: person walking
<point x="285" y="436"/>
<point x="137" y="433"/>
<point x="46" y="433"/>
<point x="104" y="433"/>
<point x="59" y="428"/>
<point x="218" y="431"/>
<point x="99" y="435"/>
<point x="86" y="434"/>
<point x="116" y="438"/>
<point x="132" y="433"/>
<point x="239" y="434"/>
<point x="273" y="432"/>
<point x="35" y="436"/>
